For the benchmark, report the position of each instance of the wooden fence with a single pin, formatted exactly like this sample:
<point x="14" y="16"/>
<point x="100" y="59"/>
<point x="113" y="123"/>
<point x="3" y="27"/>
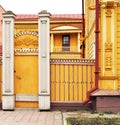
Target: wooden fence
<point x="71" y="79"/>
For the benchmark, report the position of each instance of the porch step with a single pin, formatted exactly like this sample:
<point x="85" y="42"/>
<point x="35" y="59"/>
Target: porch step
<point x="106" y="93"/>
<point x="106" y="100"/>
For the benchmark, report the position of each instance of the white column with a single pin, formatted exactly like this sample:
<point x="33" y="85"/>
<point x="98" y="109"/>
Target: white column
<point x="78" y="42"/>
<point x="8" y="98"/>
<point x="44" y="60"/>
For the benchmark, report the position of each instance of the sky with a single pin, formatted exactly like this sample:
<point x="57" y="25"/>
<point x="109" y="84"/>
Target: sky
<point x="35" y="6"/>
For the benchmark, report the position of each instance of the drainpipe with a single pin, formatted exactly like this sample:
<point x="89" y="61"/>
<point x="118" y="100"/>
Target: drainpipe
<point x="96" y="53"/>
<point x="97" y="45"/>
<point x="83" y="30"/>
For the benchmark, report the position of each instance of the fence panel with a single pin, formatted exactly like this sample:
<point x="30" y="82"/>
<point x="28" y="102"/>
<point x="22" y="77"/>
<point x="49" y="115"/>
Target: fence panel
<point x="71" y="79"/>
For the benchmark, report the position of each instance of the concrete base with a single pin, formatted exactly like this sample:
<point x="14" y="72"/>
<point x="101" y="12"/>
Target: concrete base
<point x="70" y="106"/>
<point x="106" y="100"/>
<point x="106" y="104"/>
<point x="8" y="102"/>
<point x="44" y="102"/>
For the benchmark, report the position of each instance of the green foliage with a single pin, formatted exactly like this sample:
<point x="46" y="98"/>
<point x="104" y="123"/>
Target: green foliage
<point x="93" y="121"/>
<point x="108" y="112"/>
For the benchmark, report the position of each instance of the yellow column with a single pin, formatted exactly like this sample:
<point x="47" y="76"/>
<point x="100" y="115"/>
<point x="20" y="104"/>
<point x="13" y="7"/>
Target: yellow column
<point x="78" y="42"/>
<point x="108" y="78"/>
<point x="52" y="43"/>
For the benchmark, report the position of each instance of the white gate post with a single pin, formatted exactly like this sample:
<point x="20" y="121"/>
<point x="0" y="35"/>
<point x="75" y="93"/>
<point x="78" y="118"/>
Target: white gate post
<point x="8" y="98"/>
<point x="44" y="60"/>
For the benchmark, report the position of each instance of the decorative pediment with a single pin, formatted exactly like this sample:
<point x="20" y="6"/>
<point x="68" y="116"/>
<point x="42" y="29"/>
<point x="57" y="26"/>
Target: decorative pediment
<point x="26" y="39"/>
<point x="65" y="28"/>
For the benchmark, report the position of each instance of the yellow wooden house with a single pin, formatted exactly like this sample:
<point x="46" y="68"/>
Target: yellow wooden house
<point x="102" y="39"/>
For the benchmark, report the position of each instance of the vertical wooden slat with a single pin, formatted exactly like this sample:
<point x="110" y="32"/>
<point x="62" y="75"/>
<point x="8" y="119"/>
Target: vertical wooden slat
<point x="86" y="78"/>
<point x="78" y="82"/>
<point x="68" y="82"/>
<point x="55" y="82"/>
<point x="82" y="83"/>
<point x="73" y="82"/>
<point x="59" y="82"/>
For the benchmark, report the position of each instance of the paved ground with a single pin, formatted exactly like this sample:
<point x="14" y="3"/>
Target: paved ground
<point x="30" y="117"/>
<point x="36" y="117"/>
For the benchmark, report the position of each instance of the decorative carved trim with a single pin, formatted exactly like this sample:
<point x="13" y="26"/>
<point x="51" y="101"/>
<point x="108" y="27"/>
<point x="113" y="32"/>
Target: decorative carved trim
<point x="43" y="21"/>
<point x="7" y="22"/>
<point x="26" y="42"/>
<point x="35" y="33"/>
<point x="109" y="4"/>
<point x="108" y="61"/>
<point x="26" y="51"/>
<point x="73" y="61"/>
<point x="108" y="13"/>
<point x="108" y="47"/>
<point x="109" y="77"/>
<point x="108" y="55"/>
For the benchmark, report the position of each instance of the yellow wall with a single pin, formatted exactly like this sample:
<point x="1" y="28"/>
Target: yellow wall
<point x="58" y="42"/>
<point x="118" y="45"/>
<point x="108" y="62"/>
<point x="90" y="29"/>
<point x="109" y="52"/>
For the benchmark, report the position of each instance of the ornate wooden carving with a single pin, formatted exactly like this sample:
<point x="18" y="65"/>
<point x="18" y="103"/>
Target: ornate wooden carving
<point x="26" y="43"/>
<point x="108" y="46"/>
<point x="108" y="61"/>
<point x="108" y="55"/>
<point x="109" y="4"/>
<point x="26" y="51"/>
<point x="108" y="13"/>
<point x="73" y="61"/>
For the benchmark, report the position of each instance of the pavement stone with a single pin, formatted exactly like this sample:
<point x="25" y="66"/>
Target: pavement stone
<point x="30" y="117"/>
<point x="58" y="120"/>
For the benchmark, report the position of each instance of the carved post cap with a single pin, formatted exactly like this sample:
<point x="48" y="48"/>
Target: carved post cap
<point x="109" y="4"/>
<point x="8" y="14"/>
<point x="44" y="13"/>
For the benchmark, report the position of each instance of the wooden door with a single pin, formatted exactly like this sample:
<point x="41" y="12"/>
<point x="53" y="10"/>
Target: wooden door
<point x="26" y="81"/>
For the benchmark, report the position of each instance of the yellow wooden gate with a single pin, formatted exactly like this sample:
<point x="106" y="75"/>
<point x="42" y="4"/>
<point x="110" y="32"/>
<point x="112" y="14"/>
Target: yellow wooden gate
<point x="26" y="70"/>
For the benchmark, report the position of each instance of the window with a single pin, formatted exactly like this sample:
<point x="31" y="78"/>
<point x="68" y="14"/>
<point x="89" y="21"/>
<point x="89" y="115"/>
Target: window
<point x="65" y="43"/>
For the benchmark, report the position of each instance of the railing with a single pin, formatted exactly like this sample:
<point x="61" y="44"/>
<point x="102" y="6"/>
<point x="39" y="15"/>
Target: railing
<point x="71" y="79"/>
<point x="65" y="48"/>
<point x="66" y="55"/>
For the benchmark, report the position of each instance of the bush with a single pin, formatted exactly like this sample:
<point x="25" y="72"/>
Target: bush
<point x="93" y="121"/>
